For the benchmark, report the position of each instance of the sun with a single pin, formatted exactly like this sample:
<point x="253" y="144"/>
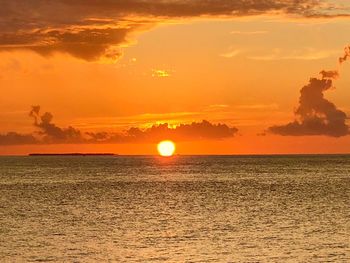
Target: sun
<point x="166" y="148"/>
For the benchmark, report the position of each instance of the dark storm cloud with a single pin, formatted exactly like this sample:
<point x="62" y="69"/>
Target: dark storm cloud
<point x="49" y="133"/>
<point x="92" y="29"/>
<point x="316" y="115"/>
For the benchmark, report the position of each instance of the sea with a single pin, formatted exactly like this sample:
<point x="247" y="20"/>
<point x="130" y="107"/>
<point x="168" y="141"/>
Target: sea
<point x="282" y="208"/>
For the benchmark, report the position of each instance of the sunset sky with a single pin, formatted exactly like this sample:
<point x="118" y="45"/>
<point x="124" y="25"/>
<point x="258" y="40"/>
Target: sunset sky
<point x="216" y="77"/>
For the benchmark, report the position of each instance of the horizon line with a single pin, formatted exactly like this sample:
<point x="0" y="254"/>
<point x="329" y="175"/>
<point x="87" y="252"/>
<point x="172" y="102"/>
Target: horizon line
<point x="157" y="155"/>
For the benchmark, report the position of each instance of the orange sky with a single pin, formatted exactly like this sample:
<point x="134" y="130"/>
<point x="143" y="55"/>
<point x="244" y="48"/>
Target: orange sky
<point x="108" y="71"/>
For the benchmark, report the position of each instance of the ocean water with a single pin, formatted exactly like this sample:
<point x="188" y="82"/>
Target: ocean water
<point x="180" y="209"/>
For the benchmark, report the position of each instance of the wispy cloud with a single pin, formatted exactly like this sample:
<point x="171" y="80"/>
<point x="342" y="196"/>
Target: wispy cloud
<point x="303" y="54"/>
<point x="231" y="54"/>
<point x="160" y="73"/>
<point x="272" y="106"/>
<point x="215" y="107"/>
<point x="140" y="120"/>
<point x="237" y="32"/>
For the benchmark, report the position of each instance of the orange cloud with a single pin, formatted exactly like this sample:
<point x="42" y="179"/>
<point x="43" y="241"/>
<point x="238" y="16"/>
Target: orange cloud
<point x="93" y="30"/>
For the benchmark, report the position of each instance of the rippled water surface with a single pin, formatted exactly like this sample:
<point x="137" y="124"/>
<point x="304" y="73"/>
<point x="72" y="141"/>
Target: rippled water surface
<point x="182" y="209"/>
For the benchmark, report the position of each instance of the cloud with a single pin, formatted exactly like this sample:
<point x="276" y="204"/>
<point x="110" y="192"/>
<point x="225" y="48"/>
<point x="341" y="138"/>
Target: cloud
<point x="87" y="44"/>
<point x="49" y="133"/>
<point x="304" y="54"/>
<point x="160" y="73"/>
<point x="231" y="54"/>
<point x="195" y="131"/>
<point x="329" y="74"/>
<point x="346" y="55"/>
<point x="14" y="138"/>
<point x="259" y="107"/>
<point x="237" y="32"/>
<point x="97" y="30"/>
<point x="316" y="115"/>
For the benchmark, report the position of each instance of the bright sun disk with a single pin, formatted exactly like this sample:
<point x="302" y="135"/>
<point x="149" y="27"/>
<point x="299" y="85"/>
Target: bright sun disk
<point x="166" y="148"/>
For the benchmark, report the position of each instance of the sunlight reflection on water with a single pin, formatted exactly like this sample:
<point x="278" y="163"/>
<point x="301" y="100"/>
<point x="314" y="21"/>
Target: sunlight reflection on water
<point x="185" y="208"/>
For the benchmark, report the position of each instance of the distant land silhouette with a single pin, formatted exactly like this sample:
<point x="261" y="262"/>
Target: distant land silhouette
<point x="72" y="154"/>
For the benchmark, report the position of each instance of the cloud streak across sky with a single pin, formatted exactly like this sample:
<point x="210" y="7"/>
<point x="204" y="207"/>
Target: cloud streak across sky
<point x="49" y="133"/>
<point x="97" y="29"/>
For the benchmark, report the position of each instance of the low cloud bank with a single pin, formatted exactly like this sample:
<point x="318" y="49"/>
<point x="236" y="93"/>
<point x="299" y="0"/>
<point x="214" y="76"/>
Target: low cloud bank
<point x="49" y="133"/>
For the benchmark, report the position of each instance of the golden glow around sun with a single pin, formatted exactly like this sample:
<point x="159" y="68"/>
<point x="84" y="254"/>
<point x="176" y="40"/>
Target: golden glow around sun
<point x="166" y="148"/>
